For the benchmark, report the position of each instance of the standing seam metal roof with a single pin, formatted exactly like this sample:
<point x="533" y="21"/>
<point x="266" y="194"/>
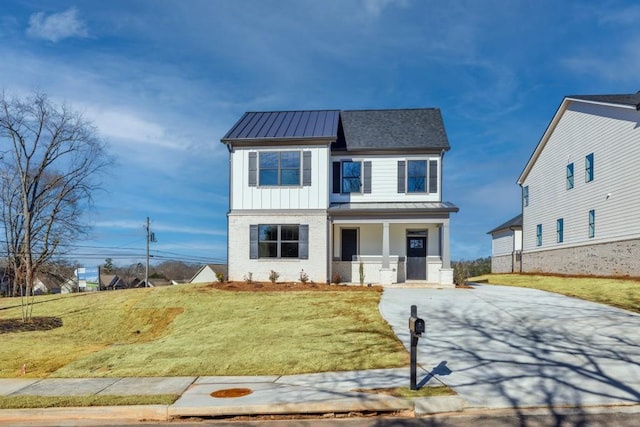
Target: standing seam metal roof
<point x="285" y="124"/>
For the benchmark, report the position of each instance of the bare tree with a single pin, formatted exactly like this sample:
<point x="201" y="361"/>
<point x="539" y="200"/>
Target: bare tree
<point x="50" y="164"/>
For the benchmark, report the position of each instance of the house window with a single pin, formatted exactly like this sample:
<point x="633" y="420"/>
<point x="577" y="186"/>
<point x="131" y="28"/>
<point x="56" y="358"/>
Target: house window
<point x="351" y="173"/>
<point x="525" y="195"/>
<point x="588" y="168"/>
<point x="560" y="230"/>
<point x="418" y="176"/>
<point x="592" y="224"/>
<point x="539" y="235"/>
<point x="279" y="168"/>
<point x="569" y="176"/>
<point x="279" y="241"/>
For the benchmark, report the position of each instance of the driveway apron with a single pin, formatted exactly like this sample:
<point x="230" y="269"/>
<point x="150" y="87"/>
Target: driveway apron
<point x="507" y="347"/>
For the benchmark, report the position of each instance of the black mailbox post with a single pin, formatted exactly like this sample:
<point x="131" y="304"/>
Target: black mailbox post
<point x="417" y="328"/>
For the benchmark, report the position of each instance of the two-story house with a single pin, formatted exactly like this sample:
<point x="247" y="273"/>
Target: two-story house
<point x="339" y="194"/>
<point x="580" y="190"/>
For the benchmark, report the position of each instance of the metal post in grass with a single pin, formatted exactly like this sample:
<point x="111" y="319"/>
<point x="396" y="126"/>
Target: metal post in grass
<point x="416" y="328"/>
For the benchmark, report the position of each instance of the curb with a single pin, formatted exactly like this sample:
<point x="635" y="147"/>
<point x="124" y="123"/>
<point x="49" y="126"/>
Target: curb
<point x="112" y="413"/>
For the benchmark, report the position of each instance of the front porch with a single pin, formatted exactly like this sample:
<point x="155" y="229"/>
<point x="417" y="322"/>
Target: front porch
<point x="391" y="251"/>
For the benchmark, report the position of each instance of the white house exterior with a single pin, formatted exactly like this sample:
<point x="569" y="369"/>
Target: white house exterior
<point x="324" y="192"/>
<point x="580" y="190"/>
<point x="506" y="246"/>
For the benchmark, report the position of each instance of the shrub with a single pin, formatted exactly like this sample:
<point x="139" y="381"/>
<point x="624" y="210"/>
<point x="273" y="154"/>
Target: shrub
<point x="273" y="276"/>
<point x="248" y="277"/>
<point x="304" y="277"/>
<point x="220" y="277"/>
<point x="337" y="278"/>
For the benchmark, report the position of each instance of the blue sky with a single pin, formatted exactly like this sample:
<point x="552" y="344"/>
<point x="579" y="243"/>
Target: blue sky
<point x="164" y="80"/>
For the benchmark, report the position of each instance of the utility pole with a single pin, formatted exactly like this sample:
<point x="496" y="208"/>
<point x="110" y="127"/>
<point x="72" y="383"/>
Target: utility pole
<point x="151" y="237"/>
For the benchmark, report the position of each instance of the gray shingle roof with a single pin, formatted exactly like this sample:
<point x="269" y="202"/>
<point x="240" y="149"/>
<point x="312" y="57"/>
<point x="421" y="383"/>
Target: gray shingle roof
<point x="394" y="129"/>
<point x="285" y="125"/>
<point x="392" y="207"/>
<point x="513" y="223"/>
<point x="632" y="99"/>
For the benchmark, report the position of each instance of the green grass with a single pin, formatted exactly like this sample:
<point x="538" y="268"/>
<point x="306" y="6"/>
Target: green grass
<point x="620" y="293"/>
<point x="198" y="330"/>
<point x="23" y="402"/>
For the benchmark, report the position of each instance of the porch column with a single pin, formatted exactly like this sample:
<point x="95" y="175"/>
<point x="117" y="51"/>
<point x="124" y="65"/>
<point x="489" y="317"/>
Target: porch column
<point x="446" y="260"/>
<point x="385" y="245"/>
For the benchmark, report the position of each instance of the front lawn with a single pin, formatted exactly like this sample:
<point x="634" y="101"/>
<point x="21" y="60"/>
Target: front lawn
<point x="202" y="330"/>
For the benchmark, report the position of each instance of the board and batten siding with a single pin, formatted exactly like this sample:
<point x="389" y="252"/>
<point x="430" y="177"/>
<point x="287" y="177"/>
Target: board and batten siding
<point x="314" y="196"/>
<point x="613" y="136"/>
<point x="384" y="180"/>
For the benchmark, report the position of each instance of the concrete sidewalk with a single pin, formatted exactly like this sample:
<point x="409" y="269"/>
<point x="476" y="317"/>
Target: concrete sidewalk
<point x="331" y="392"/>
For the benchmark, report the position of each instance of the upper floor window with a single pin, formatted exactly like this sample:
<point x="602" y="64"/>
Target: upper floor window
<point x="279" y="241"/>
<point x="351" y="176"/>
<point x="279" y="168"/>
<point x="588" y="167"/>
<point x="416" y="176"/>
<point x="592" y="224"/>
<point x="569" y="176"/>
<point x="421" y="176"/>
<point x="525" y="195"/>
<point x="539" y="235"/>
<point x="560" y="230"/>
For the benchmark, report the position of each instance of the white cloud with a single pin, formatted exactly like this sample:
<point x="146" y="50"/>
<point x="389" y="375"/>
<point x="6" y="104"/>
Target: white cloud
<point x="57" y="26"/>
<point x="158" y="227"/>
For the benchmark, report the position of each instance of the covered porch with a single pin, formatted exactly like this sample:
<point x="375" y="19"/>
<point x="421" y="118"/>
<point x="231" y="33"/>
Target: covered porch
<point x="387" y="243"/>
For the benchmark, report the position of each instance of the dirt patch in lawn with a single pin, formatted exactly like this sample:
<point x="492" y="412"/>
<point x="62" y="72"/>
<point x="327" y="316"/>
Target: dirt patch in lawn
<point x="35" y="324"/>
<point x="287" y="286"/>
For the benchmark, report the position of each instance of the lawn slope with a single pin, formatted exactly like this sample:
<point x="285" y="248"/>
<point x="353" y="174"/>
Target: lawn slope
<point x="201" y="330"/>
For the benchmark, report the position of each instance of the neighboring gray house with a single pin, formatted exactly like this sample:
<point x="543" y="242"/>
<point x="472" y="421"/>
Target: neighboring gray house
<point x="321" y="193"/>
<point x="506" y="246"/>
<point x="580" y="190"/>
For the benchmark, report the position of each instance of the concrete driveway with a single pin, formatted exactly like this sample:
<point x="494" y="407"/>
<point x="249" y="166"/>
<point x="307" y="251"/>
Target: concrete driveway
<point x="503" y="347"/>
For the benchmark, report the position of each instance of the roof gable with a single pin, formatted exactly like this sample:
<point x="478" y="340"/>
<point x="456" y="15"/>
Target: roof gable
<point x="394" y="129"/>
<point x="620" y="101"/>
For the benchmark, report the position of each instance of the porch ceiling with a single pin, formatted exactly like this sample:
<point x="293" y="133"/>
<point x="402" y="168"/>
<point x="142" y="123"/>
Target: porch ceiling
<point x="393" y="209"/>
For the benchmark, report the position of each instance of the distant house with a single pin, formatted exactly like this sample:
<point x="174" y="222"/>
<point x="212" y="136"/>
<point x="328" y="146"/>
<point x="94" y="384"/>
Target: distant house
<point x="506" y="246"/>
<point x="207" y="273"/>
<point x="580" y="195"/>
<point x="324" y="193"/>
<point x="111" y="282"/>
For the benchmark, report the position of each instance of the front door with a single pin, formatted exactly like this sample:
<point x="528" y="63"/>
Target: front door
<point x="349" y="244"/>
<point x="416" y="257"/>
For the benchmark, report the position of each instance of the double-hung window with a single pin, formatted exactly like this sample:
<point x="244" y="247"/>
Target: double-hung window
<point x="418" y="176"/>
<point x="351" y="176"/>
<point x="560" y="230"/>
<point x="569" y="176"/>
<point x="592" y="224"/>
<point x="279" y="168"/>
<point x="588" y="168"/>
<point x="279" y="241"/>
<point x="539" y="235"/>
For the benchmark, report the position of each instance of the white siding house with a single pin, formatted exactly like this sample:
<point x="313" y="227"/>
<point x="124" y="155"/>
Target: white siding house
<point x="506" y="246"/>
<point x="321" y="193"/>
<point x="580" y="190"/>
